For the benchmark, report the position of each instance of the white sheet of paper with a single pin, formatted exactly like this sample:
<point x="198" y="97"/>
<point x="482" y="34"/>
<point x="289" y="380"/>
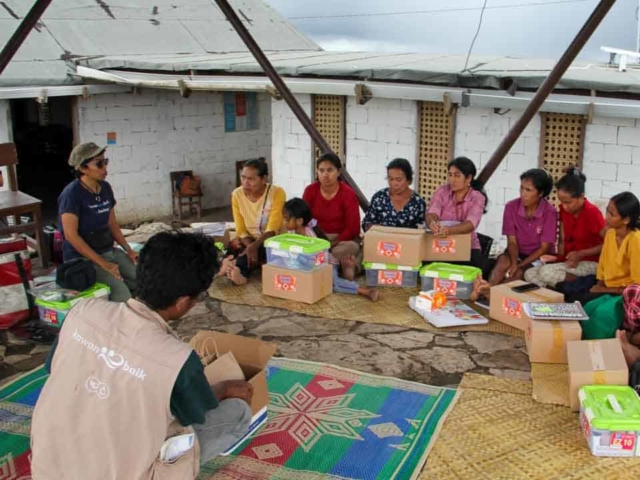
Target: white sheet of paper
<point x="174" y="447"/>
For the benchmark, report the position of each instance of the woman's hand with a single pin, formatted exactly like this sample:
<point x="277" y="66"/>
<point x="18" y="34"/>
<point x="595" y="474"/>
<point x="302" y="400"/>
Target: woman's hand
<point x="443" y="232"/>
<point x="112" y="269"/>
<point x="434" y="227"/>
<point x="133" y="256"/>
<point x="513" y="269"/>
<point x="572" y="260"/>
<point x="252" y="254"/>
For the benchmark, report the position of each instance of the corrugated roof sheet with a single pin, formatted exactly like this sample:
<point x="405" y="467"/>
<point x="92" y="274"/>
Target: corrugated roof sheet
<point x="483" y="71"/>
<point x="88" y="28"/>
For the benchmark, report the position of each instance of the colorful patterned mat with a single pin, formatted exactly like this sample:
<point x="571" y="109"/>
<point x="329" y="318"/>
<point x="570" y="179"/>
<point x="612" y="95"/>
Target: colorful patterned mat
<point x="325" y="422"/>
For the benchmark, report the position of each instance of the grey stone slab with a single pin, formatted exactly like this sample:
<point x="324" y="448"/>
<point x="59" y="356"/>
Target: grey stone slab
<point x="244" y="313"/>
<point x="366" y="328"/>
<point x="403" y="340"/>
<point x="510" y="374"/>
<point x="448" y="360"/>
<point x="15" y="359"/>
<point x="280" y="327"/>
<point x="448" y="341"/>
<point x="487" y="342"/>
<point x="504" y="359"/>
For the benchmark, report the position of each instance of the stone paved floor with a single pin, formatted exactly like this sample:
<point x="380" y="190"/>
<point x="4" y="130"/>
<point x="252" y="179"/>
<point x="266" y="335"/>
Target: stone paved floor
<point x="433" y="358"/>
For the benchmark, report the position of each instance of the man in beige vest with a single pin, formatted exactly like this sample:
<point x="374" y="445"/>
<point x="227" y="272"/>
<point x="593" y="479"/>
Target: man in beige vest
<point x="127" y="399"/>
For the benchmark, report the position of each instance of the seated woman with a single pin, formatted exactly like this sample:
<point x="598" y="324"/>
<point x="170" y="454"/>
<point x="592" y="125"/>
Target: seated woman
<point x="88" y="223"/>
<point x="257" y="213"/>
<point x="619" y="264"/>
<point x="580" y="242"/>
<point x="398" y="205"/>
<point x="530" y="223"/>
<point x="630" y="334"/>
<point x="335" y="206"/>
<point x="461" y="200"/>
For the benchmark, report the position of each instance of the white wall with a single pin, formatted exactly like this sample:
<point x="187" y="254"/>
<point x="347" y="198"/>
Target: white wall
<point x="159" y="132"/>
<point x="291" y="148"/>
<point x="479" y="131"/>
<point x="612" y="157"/>
<point x="6" y="135"/>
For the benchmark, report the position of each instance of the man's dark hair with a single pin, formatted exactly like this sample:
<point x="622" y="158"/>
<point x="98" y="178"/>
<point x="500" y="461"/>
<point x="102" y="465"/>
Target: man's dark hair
<point x="541" y="180"/>
<point x="403" y="165"/>
<point x="174" y="265"/>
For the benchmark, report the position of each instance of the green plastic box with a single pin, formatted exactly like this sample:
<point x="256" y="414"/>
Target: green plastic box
<point x="54" y="312"/>
<point x="388" y="275"/>
<point x="610" y="420"/>
<point x="297" y="252"/>
<point x="453" y="280"/>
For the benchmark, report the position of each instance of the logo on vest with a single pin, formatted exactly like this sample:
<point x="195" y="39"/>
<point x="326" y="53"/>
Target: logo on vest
<point x="112" y="359"/>
<point x="101" y="389"/>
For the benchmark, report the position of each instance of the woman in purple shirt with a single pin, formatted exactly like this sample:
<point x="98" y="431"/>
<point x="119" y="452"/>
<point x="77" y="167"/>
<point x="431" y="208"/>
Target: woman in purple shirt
<point x="530" y="224"/>
<point x="461" y="200"/>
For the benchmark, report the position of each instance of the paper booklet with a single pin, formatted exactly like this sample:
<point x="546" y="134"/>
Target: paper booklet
<point x="555" y="311"/>
<point x="454" y="314"/>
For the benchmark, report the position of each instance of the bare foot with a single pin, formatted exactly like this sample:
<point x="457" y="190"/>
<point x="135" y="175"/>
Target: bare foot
<point x="631" y="352"/>
<point x="348" y="265"/>
<point x="236" y="277"/>
<point x="371" y="293"/>
<point x="227" y="266"/>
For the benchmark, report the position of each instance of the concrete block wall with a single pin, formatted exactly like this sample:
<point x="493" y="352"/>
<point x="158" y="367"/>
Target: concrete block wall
<point x="291" y="148"/>
<point x="611" y="159"/>
<point x="479" y="131"/>
<point x="158" y="132"/>
<point x="378" y="132"/>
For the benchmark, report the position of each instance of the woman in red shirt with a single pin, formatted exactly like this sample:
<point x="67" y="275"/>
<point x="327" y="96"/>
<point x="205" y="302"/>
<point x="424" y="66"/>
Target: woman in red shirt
<point x="335" y="207"/>
<point x="580" y="240"/>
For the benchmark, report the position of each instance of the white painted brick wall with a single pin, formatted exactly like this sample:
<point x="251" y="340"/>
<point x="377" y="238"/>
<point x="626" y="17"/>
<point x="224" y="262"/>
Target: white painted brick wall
<point x="378" y="132"/>
<point x="612" y="157"/>
<point x="479" y="131"/>
<point x="291" y="148"/>
<point x="159" y="132"/>
<point x="6" y="135"/>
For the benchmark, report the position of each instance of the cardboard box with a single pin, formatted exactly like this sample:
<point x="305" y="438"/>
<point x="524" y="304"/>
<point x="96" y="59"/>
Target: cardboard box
<point x="213" y="229"/>
<point x="595" y="362"/>
<point x="454" y="248"/>
<point x="506" y="306"/>
<point x="547" y="339"/>
<point x="397" y="246"/>
<point x="307" y="287"/>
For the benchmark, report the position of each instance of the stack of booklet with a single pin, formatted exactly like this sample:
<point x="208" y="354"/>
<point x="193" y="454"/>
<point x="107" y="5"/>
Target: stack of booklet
<point x="555" y="311"/>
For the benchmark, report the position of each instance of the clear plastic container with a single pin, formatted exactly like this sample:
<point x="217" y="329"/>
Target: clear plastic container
<point x="54" y="303"/>
<point x="385" y="275"/>
<point x="610" y="420"/>
<point x="297" y="252"/>
<point x="453" y="280"/>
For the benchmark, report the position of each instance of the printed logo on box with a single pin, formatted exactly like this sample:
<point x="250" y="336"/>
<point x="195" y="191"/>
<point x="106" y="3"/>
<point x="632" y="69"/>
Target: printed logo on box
<point x="623" y="441"/>
<point x="321" y="258"/>
<point x="51" y="316"/>
<point x="389" y="249"/>
<point x="448" y="287"/>
<point x="513" y="308"/>
<point x="443" y="245"/>
<point x="389" y="277"/>
<point x="286" y="283"/>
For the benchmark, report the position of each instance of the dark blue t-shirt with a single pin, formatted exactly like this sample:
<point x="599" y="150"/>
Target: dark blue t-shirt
<point x="91" y="209"/>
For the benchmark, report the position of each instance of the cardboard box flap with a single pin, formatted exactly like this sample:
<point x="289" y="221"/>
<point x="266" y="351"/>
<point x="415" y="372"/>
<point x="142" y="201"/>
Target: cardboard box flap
<point x="596" y="356"/>
<point x="248" y="351"/>
<point x="396" y="230"/>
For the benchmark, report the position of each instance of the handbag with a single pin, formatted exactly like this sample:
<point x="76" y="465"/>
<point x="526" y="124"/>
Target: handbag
<point x="77" y="274"/>
<point x="99" y="240"/>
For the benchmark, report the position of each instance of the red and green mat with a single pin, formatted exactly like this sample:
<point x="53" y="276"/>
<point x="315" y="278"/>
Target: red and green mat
<point x="325" y="422"/>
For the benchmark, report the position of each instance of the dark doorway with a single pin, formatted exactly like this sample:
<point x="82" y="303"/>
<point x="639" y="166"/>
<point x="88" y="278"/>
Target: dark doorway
<point x="43" y="134"/>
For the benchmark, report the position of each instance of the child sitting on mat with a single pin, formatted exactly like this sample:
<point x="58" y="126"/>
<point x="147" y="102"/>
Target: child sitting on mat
<point x="298" y="219"/>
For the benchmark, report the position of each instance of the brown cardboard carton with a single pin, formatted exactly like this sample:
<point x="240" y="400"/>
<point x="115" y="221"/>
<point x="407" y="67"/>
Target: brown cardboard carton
<point x="506" y="306"/>
<point x="595" y="362"/>
<point x="454" y="248"/>
<point x="252" y="355"/>
<point x="547" y="339"/>
<point x="307" y="287"/>
<point x="395" y="246"/>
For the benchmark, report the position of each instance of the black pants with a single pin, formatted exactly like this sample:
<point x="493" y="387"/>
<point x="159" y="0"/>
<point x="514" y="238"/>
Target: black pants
<point x="477" y="260"/>
<point x="242" y="262"/>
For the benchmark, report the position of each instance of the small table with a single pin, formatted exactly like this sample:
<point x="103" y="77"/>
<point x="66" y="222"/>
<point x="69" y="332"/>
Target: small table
<point x="18" y="203"/>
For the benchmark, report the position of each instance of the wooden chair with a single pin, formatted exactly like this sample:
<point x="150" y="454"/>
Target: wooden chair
<point x="14" y="203"/>
<point x="179" y="201"/>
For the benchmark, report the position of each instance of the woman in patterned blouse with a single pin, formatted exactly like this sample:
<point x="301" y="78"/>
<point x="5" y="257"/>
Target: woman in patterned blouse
<point x="398" y="205"/>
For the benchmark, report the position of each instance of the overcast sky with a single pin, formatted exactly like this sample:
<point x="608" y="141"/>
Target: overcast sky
<point x="528" y="28"/>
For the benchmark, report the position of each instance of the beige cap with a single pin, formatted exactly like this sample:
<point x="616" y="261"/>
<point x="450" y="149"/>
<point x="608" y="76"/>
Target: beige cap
<point x="83" y="152"/>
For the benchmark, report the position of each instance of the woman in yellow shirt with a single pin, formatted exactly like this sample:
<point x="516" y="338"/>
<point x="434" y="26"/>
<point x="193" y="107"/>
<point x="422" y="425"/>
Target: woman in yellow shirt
<point x="619" y="264"/>
<point x="257" y="212"/>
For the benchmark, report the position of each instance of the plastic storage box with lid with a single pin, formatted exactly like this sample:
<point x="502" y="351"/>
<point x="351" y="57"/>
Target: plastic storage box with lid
<point x="610" y="420"/>
<point x="452" y="280"/>
<point x="297" y="252"/>
<point x="386" y="275"/>
<point x="54" y="304"/>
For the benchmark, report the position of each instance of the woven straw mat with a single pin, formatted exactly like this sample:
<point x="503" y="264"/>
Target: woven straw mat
<point x="550" y="383"/>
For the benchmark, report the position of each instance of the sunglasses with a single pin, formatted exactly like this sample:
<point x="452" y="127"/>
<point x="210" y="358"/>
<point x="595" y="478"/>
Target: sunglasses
<point x="100" y="164"/>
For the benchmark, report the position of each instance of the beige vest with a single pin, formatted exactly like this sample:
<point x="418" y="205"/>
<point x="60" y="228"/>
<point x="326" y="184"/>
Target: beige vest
<point x="104" y="411"/>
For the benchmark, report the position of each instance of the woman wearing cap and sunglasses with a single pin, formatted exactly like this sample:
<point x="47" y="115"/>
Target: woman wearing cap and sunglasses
<point x="88" y="223"/>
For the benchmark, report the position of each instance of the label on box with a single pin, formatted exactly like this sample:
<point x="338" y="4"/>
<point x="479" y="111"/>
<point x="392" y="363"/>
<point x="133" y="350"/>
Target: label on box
<point x="320" y="258"/>
<point x="285" y="283"/>
<point x="623" y="441"/>
<point x="443" y="245"/>
<point x="389" y="249"/>
<point x="511" y="307"/>
<point x="50" y="316"/>
<point x="389" y="277"/>
<point x="448" y="287"/>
